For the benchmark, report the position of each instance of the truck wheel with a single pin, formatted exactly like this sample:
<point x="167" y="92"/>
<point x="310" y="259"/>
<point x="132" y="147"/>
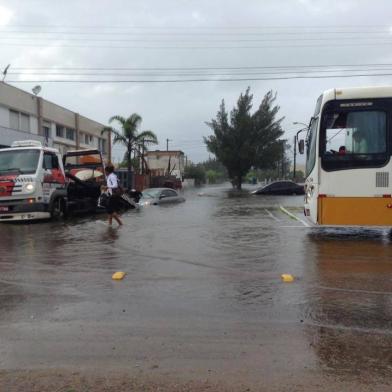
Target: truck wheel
<point x="57" y="209"/>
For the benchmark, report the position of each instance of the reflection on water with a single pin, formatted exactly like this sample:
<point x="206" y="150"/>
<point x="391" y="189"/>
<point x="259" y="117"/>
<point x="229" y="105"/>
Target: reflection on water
<point x="349" y="304"/>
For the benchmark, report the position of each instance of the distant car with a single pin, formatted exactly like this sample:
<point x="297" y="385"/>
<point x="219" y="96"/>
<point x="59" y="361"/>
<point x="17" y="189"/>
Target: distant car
<point x="157" y="196"/>
<point x="281" y="188"/>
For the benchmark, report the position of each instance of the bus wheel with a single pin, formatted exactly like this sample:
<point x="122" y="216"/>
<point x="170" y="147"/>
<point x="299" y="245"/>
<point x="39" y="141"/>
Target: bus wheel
<point x="57" y="209"/>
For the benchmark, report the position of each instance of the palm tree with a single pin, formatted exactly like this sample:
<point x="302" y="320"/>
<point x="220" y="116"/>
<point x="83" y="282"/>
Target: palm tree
<point x="130" y="137"/>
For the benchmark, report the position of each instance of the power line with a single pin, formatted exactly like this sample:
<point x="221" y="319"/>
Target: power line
<point x="207" y="39"/>
<point x="56" y="68"/>
<point x="215" y="27"/>
<point x="198" y="34"/>
<point x="335" y="45"/>
<point x="141" y="73"/>
<point x="201" y="80"/>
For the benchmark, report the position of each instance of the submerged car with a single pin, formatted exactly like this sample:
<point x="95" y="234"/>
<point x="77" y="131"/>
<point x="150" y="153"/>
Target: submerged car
<point x="281" y="188"/>
<point x="157" y="196"/>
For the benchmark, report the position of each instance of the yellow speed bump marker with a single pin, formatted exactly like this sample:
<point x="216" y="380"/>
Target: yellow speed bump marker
<point x="118" y="275"/>
<point x="287" y="278"/>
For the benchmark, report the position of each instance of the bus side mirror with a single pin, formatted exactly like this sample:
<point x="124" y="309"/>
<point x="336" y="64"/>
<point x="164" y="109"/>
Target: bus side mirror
<point x="301" y="146"/>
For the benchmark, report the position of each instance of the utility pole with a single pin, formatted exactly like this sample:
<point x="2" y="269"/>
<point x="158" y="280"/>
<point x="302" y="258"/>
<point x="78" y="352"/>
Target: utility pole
<point x="282" y="159"/>
<point x="295" y="157"/>
<point x="142" y="157"/>
<point x="167" y="144"/>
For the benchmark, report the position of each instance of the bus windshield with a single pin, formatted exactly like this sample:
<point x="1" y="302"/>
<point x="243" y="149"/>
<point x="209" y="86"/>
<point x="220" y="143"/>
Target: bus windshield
<point x="19" y="161"/>
<point x="353" y="139"/>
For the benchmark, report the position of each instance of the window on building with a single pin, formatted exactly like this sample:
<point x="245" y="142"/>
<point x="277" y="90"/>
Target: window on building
<point x="24" y="122"/>
<point x="87" y="139"/>
<point x="59" y="130"/>
<point x="14" y="119"/>
<point x="70" y="134"/>
<point x="46" y="130"/>
<point x="102" y="145"/>
<point x="20" y="121"/>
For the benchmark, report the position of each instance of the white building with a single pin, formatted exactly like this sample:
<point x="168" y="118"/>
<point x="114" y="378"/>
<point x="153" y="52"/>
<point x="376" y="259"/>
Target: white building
<point x="161" y="162"/>
<point x="25" y="116"/>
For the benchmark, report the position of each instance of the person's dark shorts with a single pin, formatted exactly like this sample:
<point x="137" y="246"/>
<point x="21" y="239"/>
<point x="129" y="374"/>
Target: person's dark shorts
<point x="113" y="204"/>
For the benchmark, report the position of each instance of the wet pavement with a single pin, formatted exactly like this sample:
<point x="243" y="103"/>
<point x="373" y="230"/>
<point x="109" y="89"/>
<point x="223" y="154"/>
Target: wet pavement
<point x="202" y="299"/>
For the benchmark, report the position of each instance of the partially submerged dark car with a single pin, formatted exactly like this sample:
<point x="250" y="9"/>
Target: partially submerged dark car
<point x="157" y="196"/>
<point x="281" y="188"/>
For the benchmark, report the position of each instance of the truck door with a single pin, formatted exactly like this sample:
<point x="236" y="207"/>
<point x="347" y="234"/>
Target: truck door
<point x="53" y="177"/>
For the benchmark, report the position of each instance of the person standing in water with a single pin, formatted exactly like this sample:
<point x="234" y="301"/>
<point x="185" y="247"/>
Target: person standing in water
<point x="114" y="195"/>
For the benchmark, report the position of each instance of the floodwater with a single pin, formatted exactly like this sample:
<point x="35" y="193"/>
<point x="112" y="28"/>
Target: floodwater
<point x="202" y="298"/>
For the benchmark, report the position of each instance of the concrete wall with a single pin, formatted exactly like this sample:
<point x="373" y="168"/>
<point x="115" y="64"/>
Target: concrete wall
<point x="17" y="99"/>
<point x="57" y="114"/>
<point x="10" y="135"/>
<point x="159" y="161"/>
<point x="34" y="125"/>
<point x="91" y="127"/>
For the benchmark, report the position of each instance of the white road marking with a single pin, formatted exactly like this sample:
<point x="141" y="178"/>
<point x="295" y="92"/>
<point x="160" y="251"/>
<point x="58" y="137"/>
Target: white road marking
<point x="294" y="226"/>
<point x="271" y="215"/>
<point x="294" y="216"/>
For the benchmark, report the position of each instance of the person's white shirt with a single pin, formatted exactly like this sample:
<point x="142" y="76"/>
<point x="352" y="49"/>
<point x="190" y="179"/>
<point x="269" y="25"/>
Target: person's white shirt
<point x="112" y="182"/>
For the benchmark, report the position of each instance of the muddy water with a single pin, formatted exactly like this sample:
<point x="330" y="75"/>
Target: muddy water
<point x="202" y="295"/>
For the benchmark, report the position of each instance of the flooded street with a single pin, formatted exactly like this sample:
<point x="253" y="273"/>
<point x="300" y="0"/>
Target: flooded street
<point x="202" y="304"/>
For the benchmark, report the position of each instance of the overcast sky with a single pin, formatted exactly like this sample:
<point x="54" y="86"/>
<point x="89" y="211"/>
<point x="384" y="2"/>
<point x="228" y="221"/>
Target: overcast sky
<point x="193" y="37"/>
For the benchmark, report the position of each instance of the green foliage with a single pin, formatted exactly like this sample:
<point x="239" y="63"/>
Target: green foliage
<point x="135" y="163"/>
<point x="197" y="172"/>
<point x="251" y="176"/>
<point x="215" y="171"/>
<point x="299" y="175"/>
<point x="214" y="164"/>
<point x="212" y="176"/>
<point x="130" y="137"/>
<point x="245" y="140"/>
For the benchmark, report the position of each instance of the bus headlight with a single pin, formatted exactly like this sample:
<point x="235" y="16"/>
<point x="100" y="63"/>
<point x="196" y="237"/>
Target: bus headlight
<point x="29" y="187"/>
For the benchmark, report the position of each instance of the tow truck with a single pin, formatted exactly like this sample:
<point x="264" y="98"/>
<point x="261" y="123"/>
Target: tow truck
<point x="36" y="183"/>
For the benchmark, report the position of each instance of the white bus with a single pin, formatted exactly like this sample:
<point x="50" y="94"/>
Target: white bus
<point x="348" y="158"/>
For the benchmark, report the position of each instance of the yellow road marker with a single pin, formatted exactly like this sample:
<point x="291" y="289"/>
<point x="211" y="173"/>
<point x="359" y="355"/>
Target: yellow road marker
<point x="287" y="278"/>
<point x="118" y="275"/>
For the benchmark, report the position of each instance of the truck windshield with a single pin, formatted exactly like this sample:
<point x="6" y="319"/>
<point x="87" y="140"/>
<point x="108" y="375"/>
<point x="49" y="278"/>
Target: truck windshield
<point x="21" y="161"/>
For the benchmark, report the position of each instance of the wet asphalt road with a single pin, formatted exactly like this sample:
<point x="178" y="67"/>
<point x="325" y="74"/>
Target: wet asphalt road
<point x="202" y="298"/>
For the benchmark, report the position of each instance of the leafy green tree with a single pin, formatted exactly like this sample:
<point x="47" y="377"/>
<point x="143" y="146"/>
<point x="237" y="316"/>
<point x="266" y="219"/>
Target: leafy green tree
<point x="212" y="176"/>
<point x="197" y="172"/>
<point x="245" y="140"/>
<point x="216" y="166"/>
<point x="130" y="137"/>
<point x="135" y="163"/>
<point x="299" y="176"/>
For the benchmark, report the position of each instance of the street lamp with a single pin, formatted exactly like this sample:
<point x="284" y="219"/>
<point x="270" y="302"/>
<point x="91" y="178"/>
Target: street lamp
<point x="295" y="145"/>
<point x="300" y="123"/>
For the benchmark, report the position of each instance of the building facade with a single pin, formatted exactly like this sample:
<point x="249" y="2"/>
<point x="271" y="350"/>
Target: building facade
<point x="164" y="163"/>
<point x="25" y="116"/>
